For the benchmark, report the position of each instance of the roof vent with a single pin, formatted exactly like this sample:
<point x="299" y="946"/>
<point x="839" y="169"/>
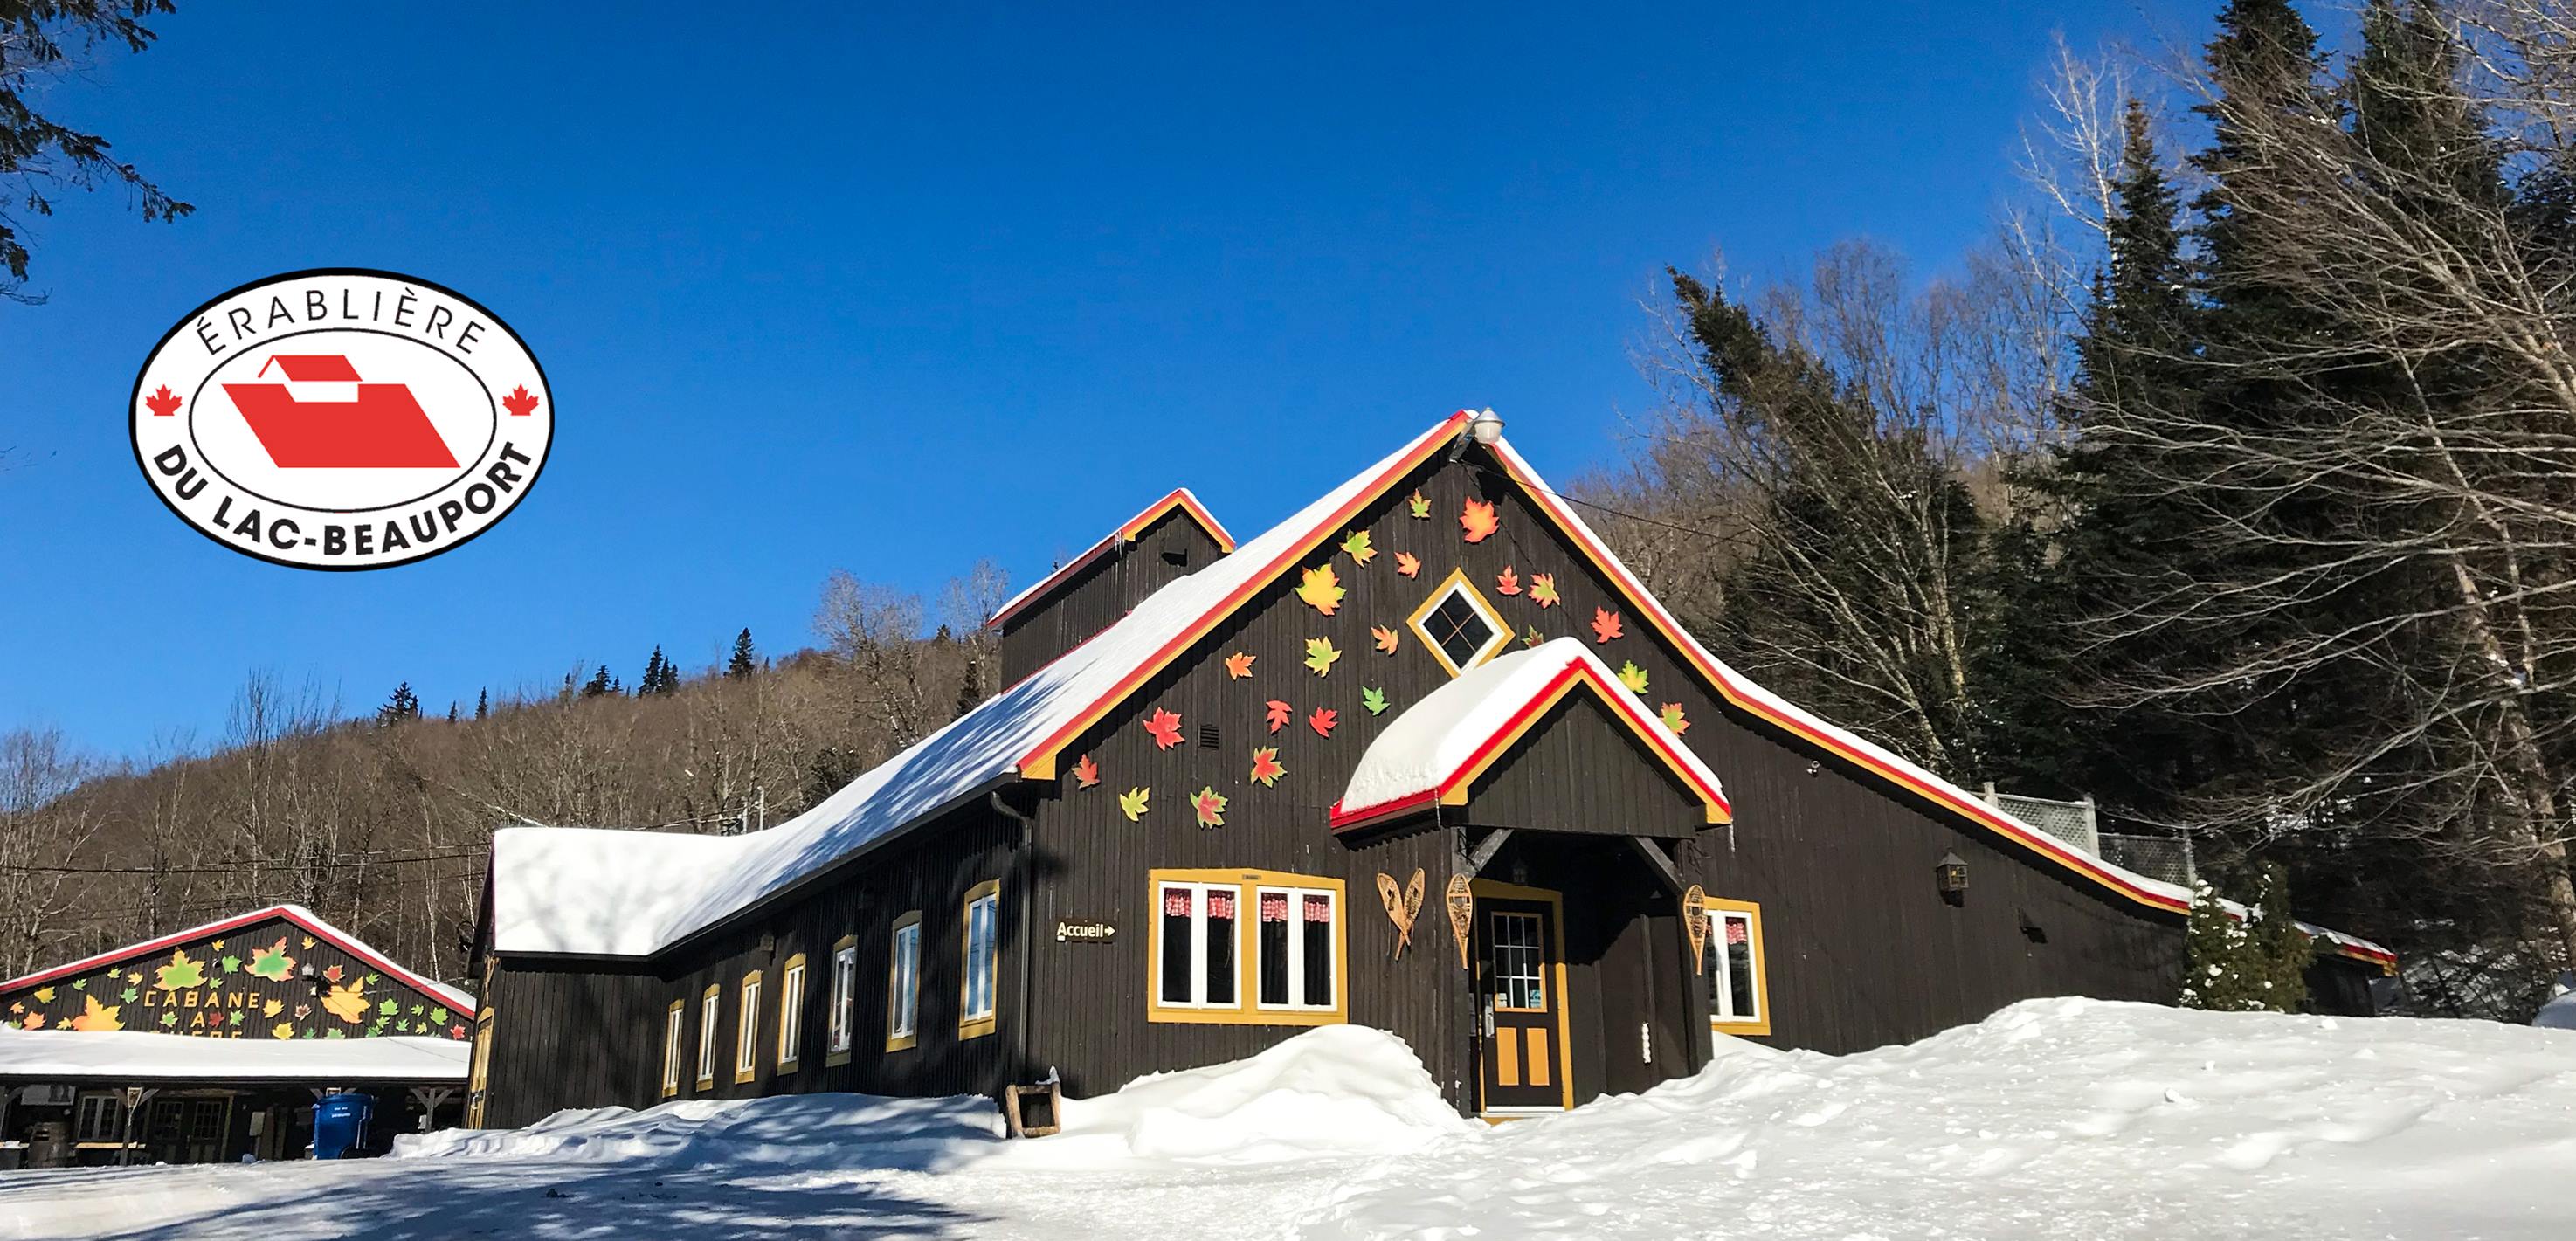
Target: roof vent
<point x="1210" y="738"/>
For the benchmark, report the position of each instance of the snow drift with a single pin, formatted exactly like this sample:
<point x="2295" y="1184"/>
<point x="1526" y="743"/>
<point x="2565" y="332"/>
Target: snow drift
<point x="816" y="1130"/>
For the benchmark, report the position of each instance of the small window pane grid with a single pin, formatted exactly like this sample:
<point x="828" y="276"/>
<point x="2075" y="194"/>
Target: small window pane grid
<point x="983" y="917"/>
<point x="904" y="1007"/>
<point x="1734" y="981"/>
<point x="1296" y="948"/>
<point x="673" y="1028"/>
<point x="98" y="1121"/>
<point x="791" y="1014"/>
<point x="1459" y="626"/>
<point x="707" y="1017"/>
<point x="1519" y="985"/>
<point x="746" y="1042"/>
<point x="206" y="1119"/>
<point x="1201" y="944"/>
<point x="845" y="979"/>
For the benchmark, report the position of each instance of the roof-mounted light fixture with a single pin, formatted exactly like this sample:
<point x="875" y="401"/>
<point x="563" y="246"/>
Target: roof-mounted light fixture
<point x="1484" y="428"/>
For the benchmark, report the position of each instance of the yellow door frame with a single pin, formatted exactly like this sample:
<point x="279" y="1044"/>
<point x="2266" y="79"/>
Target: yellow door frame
<point x="1555" y="902"/>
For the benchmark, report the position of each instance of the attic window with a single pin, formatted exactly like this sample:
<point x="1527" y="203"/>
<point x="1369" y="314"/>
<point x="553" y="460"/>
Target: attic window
<point x="1459" y="626"/>
<point x="1176" y="552"/>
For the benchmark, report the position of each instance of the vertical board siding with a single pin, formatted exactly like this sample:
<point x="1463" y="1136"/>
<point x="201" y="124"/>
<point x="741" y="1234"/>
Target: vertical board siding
<point x="1104" y="590"/>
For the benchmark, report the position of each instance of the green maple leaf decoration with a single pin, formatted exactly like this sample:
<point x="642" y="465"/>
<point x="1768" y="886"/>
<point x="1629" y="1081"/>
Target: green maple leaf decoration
<point x="169" y="1019"/>
<point x="1357" y="545"/>
<point x="233" y="1018"/>
<point x="439" y="1014"/>
<point x="415" y="1010"/>
<point x="1132" y="803"/>
<point x="1374" y="699"/>
<point x="80" y="984"/>
<point x="128" y="995"/>
<point x="1320" y="655"/>
<point x="271" y="962"/>
<point x="334" y="1034"/>
<point x="232" y="965"/>
<point x="373" y="979"/>
<point x="389" y="1007"/>
<point x="181" y="973"/>
<point x="1632" y="676"/>
<point x="1419" y="506"/>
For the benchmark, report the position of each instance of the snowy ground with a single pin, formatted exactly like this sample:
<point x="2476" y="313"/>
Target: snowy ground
<point x="2054" y="1118"/>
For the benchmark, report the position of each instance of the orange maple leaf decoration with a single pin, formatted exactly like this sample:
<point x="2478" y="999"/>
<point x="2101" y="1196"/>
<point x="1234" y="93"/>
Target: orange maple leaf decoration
<point x="1265" y="766"/>
<point x="1674" y="719"/>
<point x="1164" y="727"/>
<point x="1408" y="564"/>
<point x="1086" y="773"/>
<point x="1543" y="589"/>
<point x="162" y="402"/>
<point x="519" y="402"/>
<point x="1239" y="665"/>
<point x="1280" y="714"/>
<point x="1605" y="624"/>
<point x="1384" y="637"/>
<point x="332" y="974"/>
<point x="1509" y="583"/>
<point x="1321" y="588"/>
<point x="35" y="1021"/>
<point x="1323" y="720"/>
<point x="1479" y="520"/>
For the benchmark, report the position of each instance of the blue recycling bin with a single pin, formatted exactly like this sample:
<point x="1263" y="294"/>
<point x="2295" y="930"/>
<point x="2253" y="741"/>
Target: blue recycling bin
<point x="340" y="1125"/>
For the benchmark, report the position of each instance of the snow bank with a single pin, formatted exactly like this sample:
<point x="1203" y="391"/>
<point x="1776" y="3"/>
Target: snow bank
<point x="2052" y="1118"/>
<point x="1333" y="1090"/>
<point x="816" y="1130"/>
<point x="2559" y="1013"/>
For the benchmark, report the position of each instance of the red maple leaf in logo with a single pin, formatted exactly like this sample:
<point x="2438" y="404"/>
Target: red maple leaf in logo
<point x="162" y="402"/>
<point x="519" y="403"/>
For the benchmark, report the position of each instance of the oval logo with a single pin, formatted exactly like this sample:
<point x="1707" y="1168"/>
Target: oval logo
<point x="341" y="419"/>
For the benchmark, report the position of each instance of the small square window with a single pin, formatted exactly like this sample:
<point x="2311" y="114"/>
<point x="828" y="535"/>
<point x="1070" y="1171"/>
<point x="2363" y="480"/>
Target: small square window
<point x="1461" y="629"/>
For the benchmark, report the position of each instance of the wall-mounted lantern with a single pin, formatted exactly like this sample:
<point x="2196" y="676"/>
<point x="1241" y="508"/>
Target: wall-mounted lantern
<point x="1950" y="875"/>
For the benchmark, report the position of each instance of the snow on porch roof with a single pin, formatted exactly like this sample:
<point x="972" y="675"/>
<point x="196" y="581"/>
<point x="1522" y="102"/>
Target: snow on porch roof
<point x="1435" y="750"/>
<point x="296" y="914"/>
<point x="583" y="892"/>
<point x="136" y="1056"/>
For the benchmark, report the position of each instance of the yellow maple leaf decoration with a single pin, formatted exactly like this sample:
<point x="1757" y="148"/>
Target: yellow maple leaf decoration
<point x="272" y="1008"/>
<point x="1633" y="677"/>
<point x="1321" y="588"/>
<point x="1320" y="654"/>
<point x="1357" y="544"/>
<point x="1478" y="520"/>
<point x="1132" y="803"/>
<point x="283" y="1029"/>
<point x="44" y="995"/>
<point x="347" y="1003"/>
<point x="98" y="1016"/>
<point x="308" y="943"/>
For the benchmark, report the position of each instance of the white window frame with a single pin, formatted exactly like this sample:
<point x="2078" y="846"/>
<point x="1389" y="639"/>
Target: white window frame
<point x="978" y="1016"/>
<point x="675" y="1032"/>
<point x="1721" y="990"/>
<point x="845" y="997"/>
<point x="791" y="1013"/>
<point x="746" y="1036"/>
<point x="1199" y="891"/>
<point x="903" y="983"/>
<point x="1297" y="1002"/>
<point x="710" y="1014"/>
<point x="1456" y="583"/>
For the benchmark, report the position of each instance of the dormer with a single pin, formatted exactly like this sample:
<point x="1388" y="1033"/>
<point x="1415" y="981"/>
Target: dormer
<point x="1172" y="538"/>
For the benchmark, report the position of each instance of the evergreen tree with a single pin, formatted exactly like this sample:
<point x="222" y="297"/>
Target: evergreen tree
<point x="482" y="703"/>
<point x="970" y="687"/>
<point x="2257" y="963"/>
<point x="599" y="683"/>
<point x="403" y="705"/>
<point x="743" y="663"/>
<point x="451" y="710"/>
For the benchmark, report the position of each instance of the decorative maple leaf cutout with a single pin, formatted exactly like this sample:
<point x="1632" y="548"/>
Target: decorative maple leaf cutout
<point x="1543" y="589"/>
<point x="1239" y="665"/>
<point x="1532" y="638"/>
<point x="181" y="973"/>
<point x="1086" y="773"/>
<point x="44" y="995"/>
<point x="303" y="1011"/>
<point x="97" y="1016"/>
<point x="1164" y="727"/>
<point x="456" y="1032"/>
<point x="1384" y="638"/>
<point x="1209" y="806"/>
<point x="1357" y="544"/>
<point x="1132" y="803"/>
<point x="1321" y="589"/>
<point x="1674" y="719"/>
<point x="348" y="1003"/>
<point x="283" y="1029"/>
<point x="36" y="1021"/>
<point x="519" y="403"/>
<point x="272" y="1008"/>
<point x="1265" y="766"/>
<point x="1320" y="655"/>
<point x="1479" y="521"/>
<point x="1632" y="676"/>
<point x="1509" y="583"/>
<point x="1279" y="714"/>
<point x="1323" y="721"/>
<point x="1605" y="624"/>
<point x="1418" y="506"/>
<point x="272" y="963"/>
<point x="128" y="995"/>
<point x="1408" y="564"/>
<point x="1374" y="699"/>
<point x="162" y="402"/>
<point x="134" y="977"/>
<point x="333" y="974"/>
<point x="80" y="984"/>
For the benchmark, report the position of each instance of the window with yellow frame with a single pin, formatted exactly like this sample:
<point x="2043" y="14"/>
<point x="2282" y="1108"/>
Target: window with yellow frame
<point x="1739" y="1000"/>
<point x="981" y="952"/>
<point x="791" y="1013"/>
<point x="1246" y="947"/>
<point x="710" y="1014"/>
<point x="674" y="1036"/>
<point x="746" y="1035"/>
<point x="903" y="982"/>
<point x="1458" y="625"/>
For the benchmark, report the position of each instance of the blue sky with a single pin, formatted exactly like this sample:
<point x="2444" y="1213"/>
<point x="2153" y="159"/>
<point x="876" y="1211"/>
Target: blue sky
<point x="835" y="289"/>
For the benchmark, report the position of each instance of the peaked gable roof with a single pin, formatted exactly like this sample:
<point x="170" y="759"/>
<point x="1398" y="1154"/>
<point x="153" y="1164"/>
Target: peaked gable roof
<point x="296" y="915"/>
<point x="1180" y="501"/>
<point x="1436" y="749"/>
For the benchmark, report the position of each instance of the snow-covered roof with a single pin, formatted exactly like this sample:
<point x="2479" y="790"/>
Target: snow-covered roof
<point x="1439" y="745"/>
<point x="296" y="914"/>
<point x="1181" y="500"/>
<point x="582" y="892"/>
<point x="138" y="1056"/>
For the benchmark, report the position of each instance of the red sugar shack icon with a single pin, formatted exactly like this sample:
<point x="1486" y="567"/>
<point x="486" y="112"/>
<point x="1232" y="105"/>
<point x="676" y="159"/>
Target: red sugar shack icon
<point x="385" y="428"/>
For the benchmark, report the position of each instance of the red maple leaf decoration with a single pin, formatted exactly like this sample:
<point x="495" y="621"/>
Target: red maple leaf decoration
<point x="1605" y="624"/>
<point x="519" y="403"/>
<point x="1280" y="714"/>
<point x="162" y="402"/>
<point x="1509" y="583"/>
<point x="1086" y="773"/>
<point x="1164" y="727"/>
<point x="332" y="973"/>
<point x="1265" y="766"/>
<point x="1323" y="720"/>
<point x="455" y="1031"/>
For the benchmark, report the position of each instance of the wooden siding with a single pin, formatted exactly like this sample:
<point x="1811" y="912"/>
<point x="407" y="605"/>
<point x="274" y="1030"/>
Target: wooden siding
<point x="1093" y="598"/>
<point x="1552" y="780"/>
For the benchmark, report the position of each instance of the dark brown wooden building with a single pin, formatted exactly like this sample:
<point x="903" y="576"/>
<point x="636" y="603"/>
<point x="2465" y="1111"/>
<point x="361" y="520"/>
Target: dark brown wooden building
<point x="210" y="1044"/>
<point x="1424" y="756"/>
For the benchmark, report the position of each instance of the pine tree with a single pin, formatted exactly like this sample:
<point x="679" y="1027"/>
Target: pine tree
<point x="743" y="663"/>
<point x="451" y="710"/>
<point x="482" y="703"/>
<point x="599" y="683"/>
<point x="2257" y="963"/>
<point x="403" y="705"/>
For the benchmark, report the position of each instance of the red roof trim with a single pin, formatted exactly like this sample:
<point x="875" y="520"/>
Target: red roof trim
<point x="1180" y="499"/>
<point x="291" y="913"/>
